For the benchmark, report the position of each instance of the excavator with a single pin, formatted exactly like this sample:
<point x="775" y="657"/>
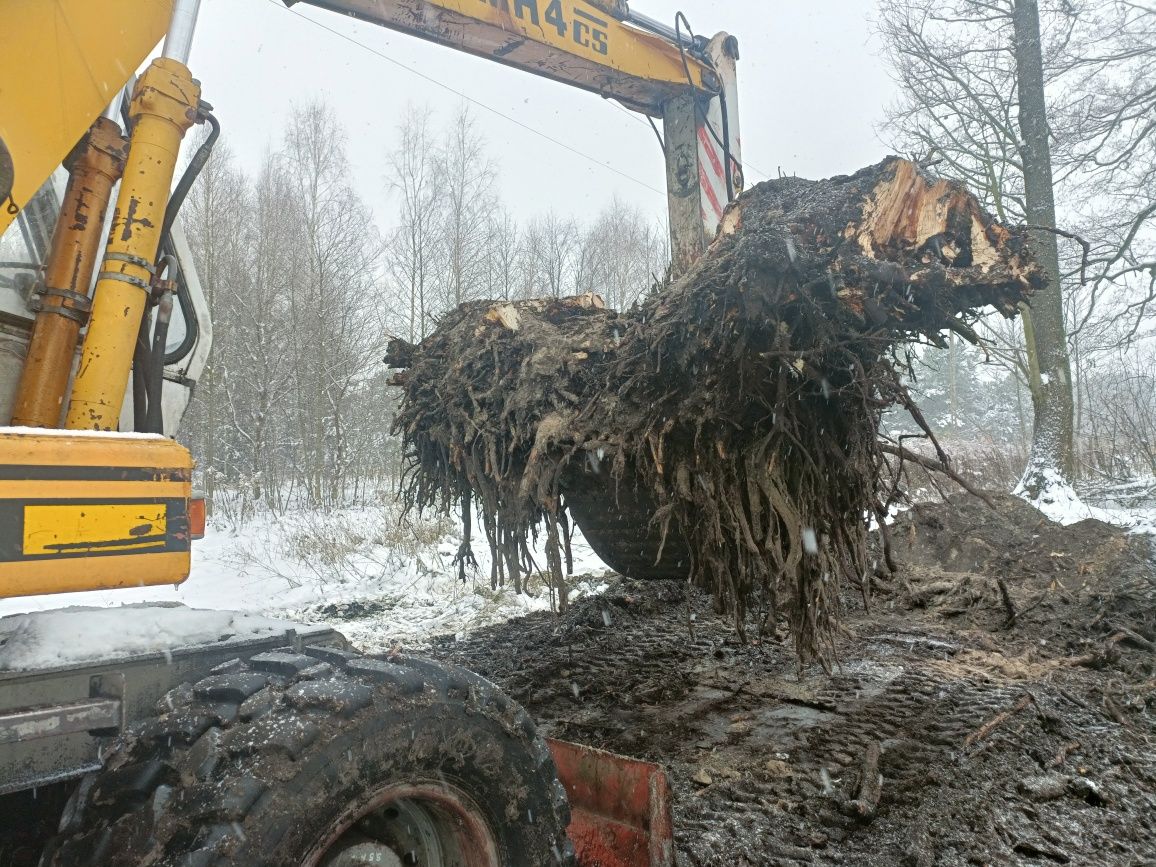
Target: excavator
<point x="251" y="741"/>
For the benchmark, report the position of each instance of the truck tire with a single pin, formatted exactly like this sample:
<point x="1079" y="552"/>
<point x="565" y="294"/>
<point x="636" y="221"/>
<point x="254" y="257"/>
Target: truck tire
<point x="323" y="759"/>
<point x="615" y="519"/>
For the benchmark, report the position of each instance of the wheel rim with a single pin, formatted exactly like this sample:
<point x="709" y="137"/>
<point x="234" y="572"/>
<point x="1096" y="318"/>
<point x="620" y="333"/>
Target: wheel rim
<point x="419" y="825"/>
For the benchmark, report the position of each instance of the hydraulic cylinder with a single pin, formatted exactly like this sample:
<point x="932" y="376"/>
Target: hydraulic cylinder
<point x="94" y="168"/>
<point x="164" y="106"/>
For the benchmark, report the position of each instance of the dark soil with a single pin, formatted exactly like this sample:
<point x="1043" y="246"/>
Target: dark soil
<point x="1025" y="742"/>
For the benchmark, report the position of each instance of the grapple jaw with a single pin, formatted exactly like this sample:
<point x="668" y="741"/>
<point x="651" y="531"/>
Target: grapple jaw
<point x="620" y="808"/>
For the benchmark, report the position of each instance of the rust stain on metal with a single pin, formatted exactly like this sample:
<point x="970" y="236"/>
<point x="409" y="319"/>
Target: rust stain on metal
<point x="131" y="220"/>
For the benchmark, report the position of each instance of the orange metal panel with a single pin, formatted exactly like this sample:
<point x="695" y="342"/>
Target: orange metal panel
<point x="620" y="808"/>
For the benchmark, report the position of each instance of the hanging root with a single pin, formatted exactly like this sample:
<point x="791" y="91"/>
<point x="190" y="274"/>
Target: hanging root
<point x="726" y="429"/>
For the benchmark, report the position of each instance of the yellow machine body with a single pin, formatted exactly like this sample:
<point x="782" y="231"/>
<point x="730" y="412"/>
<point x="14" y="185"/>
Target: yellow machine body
<point x="91" y="512"/>
<point x="62" y="63"/>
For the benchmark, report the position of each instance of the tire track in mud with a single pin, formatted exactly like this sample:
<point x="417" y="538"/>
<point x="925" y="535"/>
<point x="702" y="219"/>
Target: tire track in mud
<point x="764" y="759"/>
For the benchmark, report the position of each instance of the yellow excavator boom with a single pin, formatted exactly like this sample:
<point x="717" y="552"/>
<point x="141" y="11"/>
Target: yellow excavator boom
<point x="576" y="42"/>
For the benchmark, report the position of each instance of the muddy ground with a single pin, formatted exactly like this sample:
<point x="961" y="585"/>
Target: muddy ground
<point x="1002" y="684"/>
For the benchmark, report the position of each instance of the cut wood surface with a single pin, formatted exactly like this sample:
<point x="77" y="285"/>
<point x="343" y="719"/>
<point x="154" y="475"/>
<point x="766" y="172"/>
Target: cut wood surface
<point x="739" y="405"/>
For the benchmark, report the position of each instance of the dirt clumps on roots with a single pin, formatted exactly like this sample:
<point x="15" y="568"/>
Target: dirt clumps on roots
<point x="738" y="408"/>
<point x="945" y="735"/>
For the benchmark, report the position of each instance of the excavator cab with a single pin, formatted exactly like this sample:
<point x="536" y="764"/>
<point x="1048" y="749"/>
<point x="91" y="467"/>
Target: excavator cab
<point x="253" y="742"/>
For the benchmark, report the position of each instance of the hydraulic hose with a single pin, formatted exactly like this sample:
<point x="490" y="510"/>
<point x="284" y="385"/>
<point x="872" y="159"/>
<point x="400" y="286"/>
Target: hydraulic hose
<point x="192" y="170"/>
<point x="140" y="376"/>
<point x="724" y="142"/>
<point x="154" y="420"/>
<point x="180" y="193"/>
<point x="148" y="362"/>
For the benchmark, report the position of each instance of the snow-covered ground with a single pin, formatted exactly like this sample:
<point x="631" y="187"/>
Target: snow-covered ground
<point x="1129" y="505"/>
<point x="67" y="636"/>
<point x="378" y="580"/>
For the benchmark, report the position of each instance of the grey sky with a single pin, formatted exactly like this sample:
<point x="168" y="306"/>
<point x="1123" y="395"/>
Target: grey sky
<point x="812" y="86"/>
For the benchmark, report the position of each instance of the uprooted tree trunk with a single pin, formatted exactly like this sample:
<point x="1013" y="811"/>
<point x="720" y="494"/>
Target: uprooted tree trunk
<point x="727" y="429"/>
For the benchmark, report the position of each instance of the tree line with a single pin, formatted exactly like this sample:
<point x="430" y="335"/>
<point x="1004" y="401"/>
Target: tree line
<point x="1047" y="109"/>
<point x="455" y="240"/>
<point x="306" y="287"/>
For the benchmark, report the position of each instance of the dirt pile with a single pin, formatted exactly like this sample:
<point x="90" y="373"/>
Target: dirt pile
<point x="1025" y="743"/>
<point x="739" y="407"/>
<point x="1009" y="565"/>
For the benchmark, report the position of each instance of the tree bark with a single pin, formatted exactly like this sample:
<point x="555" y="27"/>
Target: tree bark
<point x="1052" y="439"/>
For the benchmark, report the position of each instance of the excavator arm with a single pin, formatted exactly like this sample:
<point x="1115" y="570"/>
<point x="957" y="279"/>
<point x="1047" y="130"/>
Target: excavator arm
<point x="591" y="45"/>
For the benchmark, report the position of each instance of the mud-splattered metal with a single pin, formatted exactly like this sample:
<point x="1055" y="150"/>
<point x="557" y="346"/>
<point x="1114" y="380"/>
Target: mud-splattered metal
<point x="620" y="808"/>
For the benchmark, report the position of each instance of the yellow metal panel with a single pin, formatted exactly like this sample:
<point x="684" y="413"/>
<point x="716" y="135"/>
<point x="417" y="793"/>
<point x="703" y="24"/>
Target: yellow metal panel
<point x="93" y="528"/>
<point x="33" y="577"/>
<point x="92" y="450"/>
<point x="61" y="63"/>
<point x="91" y="512"/>
<point x="571" y="41"/>
<point x="583" y="30"/>
<point x="88" y="489"/>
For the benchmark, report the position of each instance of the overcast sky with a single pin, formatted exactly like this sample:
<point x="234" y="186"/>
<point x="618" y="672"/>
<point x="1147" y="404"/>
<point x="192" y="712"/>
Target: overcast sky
<point x="812" y="86"/>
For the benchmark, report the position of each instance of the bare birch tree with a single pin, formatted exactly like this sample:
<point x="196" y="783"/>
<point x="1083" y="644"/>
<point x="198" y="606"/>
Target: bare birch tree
<point x="623" y="254"/>
<point x="467" y="176"/>
<point x="214" y="219"/>
<point x="332" y="296"/>
<point x="503" y="252"/>
<point x="549" y="245"/>
<point x="414" y="245"/>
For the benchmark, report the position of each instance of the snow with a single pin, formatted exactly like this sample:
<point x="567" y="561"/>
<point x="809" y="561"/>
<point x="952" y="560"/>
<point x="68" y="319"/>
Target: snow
<point x="67" y="636"/>
<point x="380" y="581"/>
<point x="97" y="434"/>
<point x="1063" y="504"/>
<point x="377" y="581"/>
